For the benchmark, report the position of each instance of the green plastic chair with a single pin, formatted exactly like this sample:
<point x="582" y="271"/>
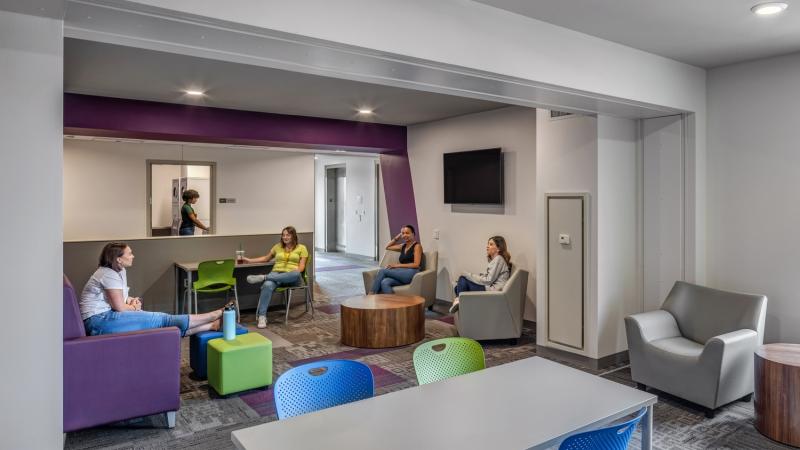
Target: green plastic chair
<point x="448" y="357"/>
<point x="213" y="277"/>
<point x="288" y="290"/>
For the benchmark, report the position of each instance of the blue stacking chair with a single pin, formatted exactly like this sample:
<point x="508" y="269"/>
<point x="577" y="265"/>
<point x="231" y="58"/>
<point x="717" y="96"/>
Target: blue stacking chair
<point x="613" y="437"/>
<point x="322" y="384"/>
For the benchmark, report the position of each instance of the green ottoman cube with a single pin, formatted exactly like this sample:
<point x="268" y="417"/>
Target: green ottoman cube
<point x="241" y="364"/>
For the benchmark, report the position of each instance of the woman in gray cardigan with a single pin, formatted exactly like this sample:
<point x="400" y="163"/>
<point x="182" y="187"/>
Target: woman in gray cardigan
<point x="497" y="272"/>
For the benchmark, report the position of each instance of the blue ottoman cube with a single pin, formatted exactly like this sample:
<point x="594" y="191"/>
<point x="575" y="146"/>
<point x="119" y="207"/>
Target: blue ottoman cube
<point x="198" y="350"/>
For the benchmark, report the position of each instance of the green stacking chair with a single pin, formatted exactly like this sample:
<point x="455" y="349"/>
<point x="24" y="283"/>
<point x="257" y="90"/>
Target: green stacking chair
<point x="213" y="277"/>
<point x="448" y="357"/>
<point x="287" y="291"/>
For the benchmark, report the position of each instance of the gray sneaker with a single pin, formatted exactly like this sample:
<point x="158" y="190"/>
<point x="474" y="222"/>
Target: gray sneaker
<point x="256" y="279"/>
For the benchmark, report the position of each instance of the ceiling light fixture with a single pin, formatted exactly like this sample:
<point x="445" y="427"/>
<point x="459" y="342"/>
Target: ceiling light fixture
<point x="365" y="111"/>
<point x="194" y="92"/>
<point x="769" y="9"/>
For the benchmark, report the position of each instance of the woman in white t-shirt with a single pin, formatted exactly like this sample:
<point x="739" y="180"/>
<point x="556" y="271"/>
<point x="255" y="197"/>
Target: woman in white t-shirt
<point x="106" y="307"/>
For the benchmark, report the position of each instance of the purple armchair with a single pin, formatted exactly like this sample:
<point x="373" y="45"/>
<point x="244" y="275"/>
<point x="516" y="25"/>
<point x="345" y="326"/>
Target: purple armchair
<point x="117" y="376"/>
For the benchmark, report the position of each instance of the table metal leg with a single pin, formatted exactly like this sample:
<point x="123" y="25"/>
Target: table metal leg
<point x="188" y="291"/>
<point x="647" y="429"/>
<point x="177" y="289"/>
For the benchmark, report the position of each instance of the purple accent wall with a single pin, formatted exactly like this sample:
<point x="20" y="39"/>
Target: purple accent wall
<point x="396" y="174"/>
<point x="88" y="115"/>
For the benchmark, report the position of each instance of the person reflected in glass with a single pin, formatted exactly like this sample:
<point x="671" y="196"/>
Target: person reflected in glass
<point x="408" y="264"/>
<point x="290" y="263"/>
<point x="496" y="275"/>
<point x="106" y="307"/>
<point x="189" y="218"/>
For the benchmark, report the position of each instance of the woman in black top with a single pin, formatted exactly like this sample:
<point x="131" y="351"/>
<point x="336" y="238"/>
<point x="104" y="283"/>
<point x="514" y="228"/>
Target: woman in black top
<point x="410" y="260"/>
<point x="188" y="217"/>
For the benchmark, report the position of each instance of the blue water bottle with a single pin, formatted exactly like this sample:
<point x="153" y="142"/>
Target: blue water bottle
<point x="229" y="323"/>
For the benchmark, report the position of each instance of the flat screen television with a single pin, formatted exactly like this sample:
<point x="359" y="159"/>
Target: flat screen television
<point x="474" y="177"/>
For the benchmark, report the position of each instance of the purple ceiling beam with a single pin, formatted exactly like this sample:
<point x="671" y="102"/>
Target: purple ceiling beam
<point x="138" y="119"/>
<point x="88" y="115"/>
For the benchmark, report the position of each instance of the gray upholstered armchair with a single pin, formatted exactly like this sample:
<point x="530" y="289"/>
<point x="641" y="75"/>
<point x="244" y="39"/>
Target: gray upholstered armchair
<point x="494" y="314"/>
<point x="423" y="283"/>
<point x="699" y="346"/>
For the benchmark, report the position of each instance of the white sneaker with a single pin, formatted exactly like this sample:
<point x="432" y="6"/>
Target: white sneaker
<point x="454" y="306"/>
<point x="262" y="320"/>
<point x="256" y="279"/>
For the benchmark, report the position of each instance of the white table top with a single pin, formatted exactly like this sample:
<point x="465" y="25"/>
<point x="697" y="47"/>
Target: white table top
<point x="192" y="266"/>
<point x="531" y="403"/>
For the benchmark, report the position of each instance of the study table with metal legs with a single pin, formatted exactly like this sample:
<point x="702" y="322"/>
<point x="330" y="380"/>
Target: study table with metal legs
<point x="532" y="403"/>
<point x="189" y="269"/>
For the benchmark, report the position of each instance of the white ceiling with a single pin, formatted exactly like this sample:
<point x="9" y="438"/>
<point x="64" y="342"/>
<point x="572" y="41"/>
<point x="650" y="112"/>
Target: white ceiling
<point x="704" y="33"/>
<point x="53" y="9"/>
<point x="126" y="72"/>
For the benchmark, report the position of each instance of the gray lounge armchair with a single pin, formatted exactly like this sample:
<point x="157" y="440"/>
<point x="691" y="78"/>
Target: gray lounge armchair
<point x="493" y="314"/>
<point x="423" y="283"/>
<point x="699" y="346"/>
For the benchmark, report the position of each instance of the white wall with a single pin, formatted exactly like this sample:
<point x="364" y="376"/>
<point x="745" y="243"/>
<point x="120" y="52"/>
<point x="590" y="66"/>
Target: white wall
<point x="618" y="239"/>
<point x="566" y="162"/>
<point x="463" y="235"/>
<point x="753" y="166"/>
<point x="383" y="220"/>
<point x="663" y="209"/>
<point x="360" y="206"/>
<point x="598" y="156"/>
<point x="162" y="177"/>
<point x="478" y="36"/>
<point x="105" y="188"/>
<point x="31" y="67"/>
<point x="360" y="228"/>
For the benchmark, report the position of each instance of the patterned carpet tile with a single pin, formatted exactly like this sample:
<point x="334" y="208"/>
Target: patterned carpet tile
<point x="334" y="268"/>
<point x="329" y="309"/>
<point x="351" y="353"/>
<point x="262" y="402"/>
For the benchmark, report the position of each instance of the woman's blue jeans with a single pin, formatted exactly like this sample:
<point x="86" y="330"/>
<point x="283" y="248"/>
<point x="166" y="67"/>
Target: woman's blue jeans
<point x="465" y="285"/>
<point x="275" y="280"/>
<point x="387" y="279"/>
<point x="123" y="321"/>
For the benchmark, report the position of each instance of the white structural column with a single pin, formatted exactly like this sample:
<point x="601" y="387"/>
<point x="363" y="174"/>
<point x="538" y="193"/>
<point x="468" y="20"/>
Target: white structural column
<point x="31" y="60"/>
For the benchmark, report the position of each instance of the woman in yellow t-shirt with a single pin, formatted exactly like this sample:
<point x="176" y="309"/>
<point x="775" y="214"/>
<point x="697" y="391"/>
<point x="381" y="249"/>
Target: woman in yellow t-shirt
<point x="290" y="262"/>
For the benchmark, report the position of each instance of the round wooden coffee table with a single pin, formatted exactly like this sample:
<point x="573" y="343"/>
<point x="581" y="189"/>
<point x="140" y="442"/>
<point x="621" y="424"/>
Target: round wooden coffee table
<point x="383" y="320"/>
<point x="777" y="392"/>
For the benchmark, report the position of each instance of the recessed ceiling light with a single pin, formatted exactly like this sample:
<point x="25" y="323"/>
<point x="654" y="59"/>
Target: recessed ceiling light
<point x="194" y="92"/>
<point x="365" y="111"/>
<point x="769" y="9"/>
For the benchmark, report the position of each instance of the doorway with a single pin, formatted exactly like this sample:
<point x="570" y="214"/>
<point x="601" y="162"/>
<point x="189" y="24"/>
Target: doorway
<point x="335" y="198"/>
<point x="346" y="204"/>
<point x="166" y="183"/>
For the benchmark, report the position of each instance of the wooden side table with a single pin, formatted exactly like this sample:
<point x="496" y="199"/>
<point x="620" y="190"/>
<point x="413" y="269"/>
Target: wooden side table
<point x="383" y="320"/>
<point x="777" y="392"/>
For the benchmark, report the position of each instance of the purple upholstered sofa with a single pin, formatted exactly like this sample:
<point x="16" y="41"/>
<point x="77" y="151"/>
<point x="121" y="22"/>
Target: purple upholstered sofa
<point x="117" y="376"/>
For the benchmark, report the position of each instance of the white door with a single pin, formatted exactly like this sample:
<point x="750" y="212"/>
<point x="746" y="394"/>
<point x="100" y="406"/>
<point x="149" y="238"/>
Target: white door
<point x="565" y="269"/>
